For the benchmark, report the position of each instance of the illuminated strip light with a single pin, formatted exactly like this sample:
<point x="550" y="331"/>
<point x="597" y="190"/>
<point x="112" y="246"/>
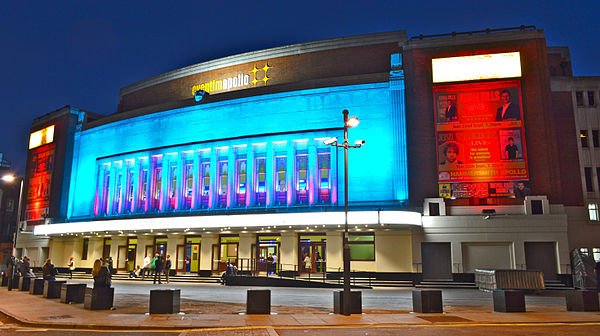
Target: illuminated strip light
<point x="235" y="221"/>
<point x="41" y="137"/>
<point x="465" y="68"/>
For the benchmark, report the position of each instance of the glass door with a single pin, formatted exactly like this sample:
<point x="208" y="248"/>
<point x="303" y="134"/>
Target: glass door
<point x="311" y="253"/>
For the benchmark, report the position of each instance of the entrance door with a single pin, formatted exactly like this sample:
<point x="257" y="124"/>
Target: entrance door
<point x="437" y="262"/>
<point x="192" y="253"/>
<point x="215" y="258"/>
<point x="180" y="259"/>
<point x="541" y="256"/>
<point x="131" y="249"/>
<point x="160" y="245"/>
<point x="315" y="252"/>
<point x="121" y="257"/>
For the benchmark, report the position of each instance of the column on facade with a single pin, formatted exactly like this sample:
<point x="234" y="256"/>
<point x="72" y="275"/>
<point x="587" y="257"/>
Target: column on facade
<point x="400" y="165"/>
<point x="333" y="173"/>
<point x="313" y="172"/>
<point x="245" y="250"/>
<point x="250" y="173"/>
<point x="291" y="159"/>
<point x="206" y="248"/>
<point x="214" y="176"/>
<point x="334" y="254"/>
<point x="196" y="182"/>
<point x="288" y="254"/>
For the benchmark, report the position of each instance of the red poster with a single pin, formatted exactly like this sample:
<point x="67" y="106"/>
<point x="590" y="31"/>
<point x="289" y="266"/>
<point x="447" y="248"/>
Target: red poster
<point x="38" y="190"/>
<point x="480" y="138"/>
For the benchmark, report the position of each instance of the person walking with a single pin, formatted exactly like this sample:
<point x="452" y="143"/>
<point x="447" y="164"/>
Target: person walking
<point x="146" y="267"/>
<point x="158" y="268"/>
<point x="167" y="267"/>
<point x="71" y="266"/>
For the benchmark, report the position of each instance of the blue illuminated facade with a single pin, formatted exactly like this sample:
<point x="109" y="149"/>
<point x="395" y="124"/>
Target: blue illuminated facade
<point x="249" y="154"/>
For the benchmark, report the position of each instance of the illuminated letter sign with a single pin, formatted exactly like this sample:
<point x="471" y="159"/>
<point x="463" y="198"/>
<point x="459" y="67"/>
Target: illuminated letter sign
<point x="466" y="68"/>
<point x="41" y="137"/>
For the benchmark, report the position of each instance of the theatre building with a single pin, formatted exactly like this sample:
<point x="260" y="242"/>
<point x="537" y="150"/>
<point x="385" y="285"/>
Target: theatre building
<point x="232" y="160"/>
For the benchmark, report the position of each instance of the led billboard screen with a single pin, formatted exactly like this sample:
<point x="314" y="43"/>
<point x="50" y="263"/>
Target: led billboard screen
<point x="480" y="140"/>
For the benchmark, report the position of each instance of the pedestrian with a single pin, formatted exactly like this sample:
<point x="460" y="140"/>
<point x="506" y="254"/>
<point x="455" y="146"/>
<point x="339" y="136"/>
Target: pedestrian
<point x="228" y="272"/>
<point x="101" y="274"/>
<point x="275" y="263"/>
<point x="270" y="264"/>
<point x="49" y="272"/>
<point x="18" y="264"/>
<point x="307" y="263"/>
<point x="71" y="265"/>
<point x="110" y="265"/>
<point x="11" y="272"/>
<point x="153" y="265"/>
<point x="26" y="269"/>
<point x="158" y="268"/>
<point x="168" y="267"/>
<point x="146" y="267"/>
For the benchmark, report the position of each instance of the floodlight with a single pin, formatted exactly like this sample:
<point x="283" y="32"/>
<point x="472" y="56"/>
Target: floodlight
<point x="352" y="122"/>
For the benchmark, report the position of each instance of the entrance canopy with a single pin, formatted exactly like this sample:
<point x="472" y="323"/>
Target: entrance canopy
<point x="277" y="221"/>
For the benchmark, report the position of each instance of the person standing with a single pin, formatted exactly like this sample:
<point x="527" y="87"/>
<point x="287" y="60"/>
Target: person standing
<point x="71" y="266"/>
<point x="11" y="271"/>
<point x="153" y="265"/>
<point x="110" y="265"/>
<point x="146" y="267"/>
<point x="167" y="267"/>
<point x="158" y="268"/>
<point x="270" y="264"/>
<point x="307" y="263"/>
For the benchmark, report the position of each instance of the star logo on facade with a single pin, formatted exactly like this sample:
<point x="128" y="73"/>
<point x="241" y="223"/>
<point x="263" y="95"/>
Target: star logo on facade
<point x="265" y="77"/>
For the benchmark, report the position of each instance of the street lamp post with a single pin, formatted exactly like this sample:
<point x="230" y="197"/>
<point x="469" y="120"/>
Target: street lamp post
<point x="348" y="123"/>
<point x="10" y="179"/>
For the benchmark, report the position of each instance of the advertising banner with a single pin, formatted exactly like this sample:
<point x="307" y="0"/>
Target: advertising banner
<point x="37" y="203"/>
<point x="480" y="139"/>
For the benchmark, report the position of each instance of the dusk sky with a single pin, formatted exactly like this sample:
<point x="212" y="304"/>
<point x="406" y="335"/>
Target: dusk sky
<point x="80" y="53"/>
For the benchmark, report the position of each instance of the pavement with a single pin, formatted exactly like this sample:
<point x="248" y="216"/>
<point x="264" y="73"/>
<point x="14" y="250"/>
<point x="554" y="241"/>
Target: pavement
<point x="469" y="307"/>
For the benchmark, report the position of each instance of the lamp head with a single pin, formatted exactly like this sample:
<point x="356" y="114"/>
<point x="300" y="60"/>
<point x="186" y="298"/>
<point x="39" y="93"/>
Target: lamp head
<point x="8" y="178"/>
<point x="352" y="122"/>
<point x="330" y="141"/>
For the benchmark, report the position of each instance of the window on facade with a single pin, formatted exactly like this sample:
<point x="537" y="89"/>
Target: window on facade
<point x="591" y="101"/>
<point x="129" y="189"/>
<point x="584" y="251"/>
<point x="593" y="211"/>
<point x="105" y="190"/>
<point x="324" y="187"/>
<point x="240" y="185"/>
<point x="595" y="139"/>
<point x="596" y="253"/>
<point x="261" y="181"/>
<point x="589" y="185"/>
<point x="280" y="180"/>
<point x="118" y="194"/>
<point x="583" y="135"/>
<point x="188" y="184"/>
<point x="205" y="183"/>
<point x="302" y="178"/>
<point x="579" y="98"/>
<point x="172" y="196"/>
<point x="222" y="184"/>
<point x="143" y="205"/>
<point x="84" y="250"/>
<point x="156" y="186"/>
<point x="362" y="246"/>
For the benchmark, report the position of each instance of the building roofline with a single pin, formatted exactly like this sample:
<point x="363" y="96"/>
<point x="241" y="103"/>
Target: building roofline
<point x="398" y="36"/>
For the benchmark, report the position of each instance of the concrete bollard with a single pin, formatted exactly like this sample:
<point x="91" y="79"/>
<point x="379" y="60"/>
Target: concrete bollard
<point x="99" y="298"/>
<point x="582" y="300"/>
<point x="52" y="288"/>
<point x="24" y="284"/>
<point x="355" y="302"/>
<point x="36" y="286"/>
<point x="72" y="293"/>
<point x="427" y="301"/>
<point x="509" y="301"/>
<point x="165" y="301"/>
<point x="258" y="301"/>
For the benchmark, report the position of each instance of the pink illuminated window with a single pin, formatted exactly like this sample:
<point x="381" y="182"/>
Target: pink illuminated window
<point x="261" y="182"/>
<point x="205" y="184"/>
<point x="324" y="178"/>
<point x="302" y="178"/>
<point x="189" y="185"/>
<point x="129" y="188"/>
<point x="240" y="185"/>
<point x="105" y="191"/>
<point x="222" y="184"/>
<point x="280" y="180"/>
<point x="156" y="186"/>
<point x="118" y="197"/>
<point x="143" y="203"/>
<point x="172" y="196"/>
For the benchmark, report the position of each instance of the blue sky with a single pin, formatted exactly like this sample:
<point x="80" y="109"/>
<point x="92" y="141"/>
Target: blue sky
<point x="80" y="53"/>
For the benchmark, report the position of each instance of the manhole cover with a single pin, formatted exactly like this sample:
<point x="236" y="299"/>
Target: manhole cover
<point x="437" y="319"/>
<point x="57" y="317"/>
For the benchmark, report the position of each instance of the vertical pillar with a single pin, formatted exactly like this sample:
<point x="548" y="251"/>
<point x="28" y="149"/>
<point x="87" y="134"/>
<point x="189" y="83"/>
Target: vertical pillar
<point x="270" y="174"/>
<point x="208" y="240"/>
<point x="400" y="166"/>
<point x="290" y="173"/>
